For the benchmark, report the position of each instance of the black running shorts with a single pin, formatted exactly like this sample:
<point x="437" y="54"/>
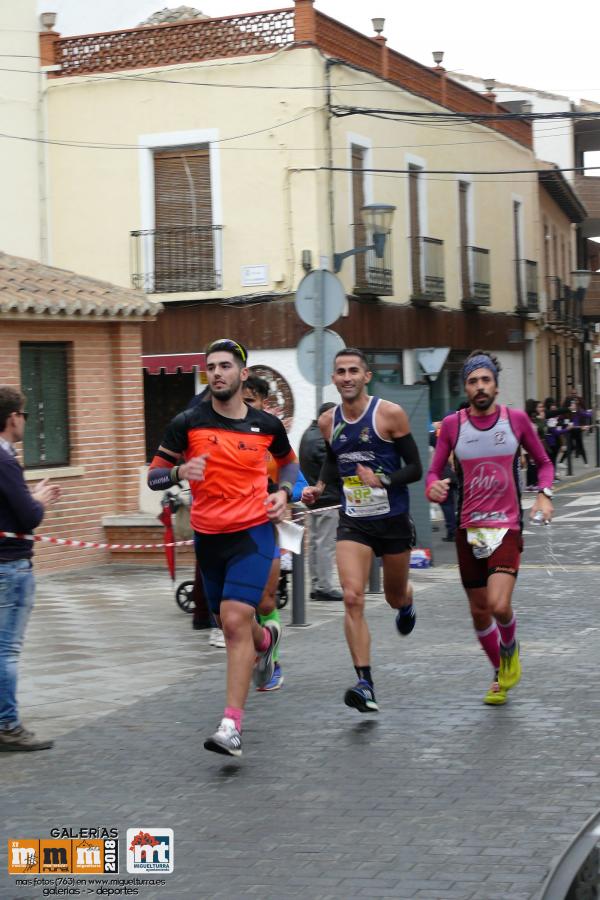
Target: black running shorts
<point x="386" y="536"/>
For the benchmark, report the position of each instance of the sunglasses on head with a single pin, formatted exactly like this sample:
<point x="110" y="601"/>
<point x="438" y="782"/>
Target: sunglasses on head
<point x="231" y="346"/>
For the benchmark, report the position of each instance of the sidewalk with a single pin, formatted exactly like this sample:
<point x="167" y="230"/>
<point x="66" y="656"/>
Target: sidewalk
<point x="437" y="797"/>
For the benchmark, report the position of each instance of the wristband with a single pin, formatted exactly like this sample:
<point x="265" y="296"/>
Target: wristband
<point x="288" y="489"/>
<point x="174" y="475"/>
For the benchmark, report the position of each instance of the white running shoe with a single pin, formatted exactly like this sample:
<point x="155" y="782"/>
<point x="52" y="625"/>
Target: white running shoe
<point x="216" y="638"/>
<point x="226" y="739"/>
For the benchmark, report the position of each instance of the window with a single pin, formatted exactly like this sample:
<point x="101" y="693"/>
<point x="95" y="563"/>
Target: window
<point x="164" y="397"/>
<point x="44" y="381"/>
<point x="517" y="246"/>
<point x="463" y="200"/>
<point x="184" y="251"/>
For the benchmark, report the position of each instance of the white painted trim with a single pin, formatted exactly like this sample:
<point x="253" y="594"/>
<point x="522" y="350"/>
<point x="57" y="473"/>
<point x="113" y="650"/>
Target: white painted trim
<point x="148" y="143"/>
<point x="55" y="472"/>
<point x="471" y="242"/>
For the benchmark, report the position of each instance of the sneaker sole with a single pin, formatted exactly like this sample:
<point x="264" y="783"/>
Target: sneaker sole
<point x="210" y="744"/>
<point x="266" y="689"/>
<point x="22" y="749"/>
<point x="364" y="706"/>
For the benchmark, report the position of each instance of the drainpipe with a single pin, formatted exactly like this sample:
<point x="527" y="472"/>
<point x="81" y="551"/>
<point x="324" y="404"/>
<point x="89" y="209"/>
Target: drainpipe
<point x="328" y="64"/>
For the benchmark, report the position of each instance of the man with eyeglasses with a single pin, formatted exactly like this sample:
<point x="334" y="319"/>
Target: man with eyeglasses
<point x="224" y="444"/>
<point x="21" y="510"/>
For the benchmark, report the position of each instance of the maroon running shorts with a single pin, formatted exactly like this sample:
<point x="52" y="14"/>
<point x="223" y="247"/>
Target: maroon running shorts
<point x="474" y="573"/>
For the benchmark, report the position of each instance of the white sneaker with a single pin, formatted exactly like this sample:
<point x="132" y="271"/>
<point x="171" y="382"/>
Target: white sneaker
<point x="226" y="739"/>
<point x="216" y="638"/>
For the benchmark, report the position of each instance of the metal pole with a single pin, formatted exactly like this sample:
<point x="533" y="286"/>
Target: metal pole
<point x="375" y="577"/>
<point x="298" y="590"/>
<point x="597" y="430"/>
<point x="319" y="343"/>
<point x="569" y="455"/>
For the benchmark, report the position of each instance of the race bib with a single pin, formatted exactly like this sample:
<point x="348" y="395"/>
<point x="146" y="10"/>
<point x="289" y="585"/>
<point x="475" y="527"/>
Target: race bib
<point x="484" y="541"/>
<point x="362" y="500"/>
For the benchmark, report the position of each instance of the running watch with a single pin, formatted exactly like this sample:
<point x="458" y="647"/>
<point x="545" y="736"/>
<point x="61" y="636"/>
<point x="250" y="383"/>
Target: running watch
<point x="547" y="492"/>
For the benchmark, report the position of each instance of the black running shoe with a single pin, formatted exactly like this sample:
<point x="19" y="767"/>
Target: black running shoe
<point x="361" y="697"/>
<point x="226" y="739"/>
<point x="406" y="619"/>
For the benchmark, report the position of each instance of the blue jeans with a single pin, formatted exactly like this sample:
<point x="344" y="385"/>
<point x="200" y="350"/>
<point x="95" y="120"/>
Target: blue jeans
<point x="17" y="589"/>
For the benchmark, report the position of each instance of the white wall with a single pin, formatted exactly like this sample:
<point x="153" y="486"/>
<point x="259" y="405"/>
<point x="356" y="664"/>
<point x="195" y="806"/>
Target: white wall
<point x="19" y="159"/>
<point x="552" y="138"/>
<point x="512" y="390"/>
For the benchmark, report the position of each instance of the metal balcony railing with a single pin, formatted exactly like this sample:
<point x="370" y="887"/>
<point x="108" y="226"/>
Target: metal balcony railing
<point x="373" y="274"/>
<point x="529" y="297"/>
<point x="172" y="260"/>
<point x="555" y="313"/>
<point x="476" y="279"/>
<point x="427" y="257"/>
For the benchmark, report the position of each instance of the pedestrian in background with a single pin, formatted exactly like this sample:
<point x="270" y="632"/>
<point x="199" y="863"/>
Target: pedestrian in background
<point x="322" y="525"/>
<point x="21" y="510"/>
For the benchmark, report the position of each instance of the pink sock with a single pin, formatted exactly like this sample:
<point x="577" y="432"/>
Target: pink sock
<point x="490" y="641"/>
<point x="508" y="632"/>
<point x="266" y="641"/>
<point x="236" y="714"/>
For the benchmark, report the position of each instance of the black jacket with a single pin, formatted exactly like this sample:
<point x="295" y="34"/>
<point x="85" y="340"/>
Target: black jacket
<point x="312" y="454"/>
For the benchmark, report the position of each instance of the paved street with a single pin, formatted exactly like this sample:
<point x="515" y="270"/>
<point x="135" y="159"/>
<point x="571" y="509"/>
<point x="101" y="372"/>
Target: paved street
<point x="437" y="797"/>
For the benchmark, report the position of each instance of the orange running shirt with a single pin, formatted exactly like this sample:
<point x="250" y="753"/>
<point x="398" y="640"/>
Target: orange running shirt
<point x="232" y="495"/>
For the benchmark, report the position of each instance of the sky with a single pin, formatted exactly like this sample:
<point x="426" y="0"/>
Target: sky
<point x="527" y="42"/>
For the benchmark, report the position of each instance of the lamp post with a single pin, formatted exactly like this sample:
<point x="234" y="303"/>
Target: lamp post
<point x="580" y="279"/>
<point x="377" y="219"/>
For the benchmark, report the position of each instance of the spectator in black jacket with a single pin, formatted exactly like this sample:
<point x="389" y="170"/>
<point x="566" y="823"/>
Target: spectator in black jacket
<point x="21" y="510"/>
<point x="322" y="525"/>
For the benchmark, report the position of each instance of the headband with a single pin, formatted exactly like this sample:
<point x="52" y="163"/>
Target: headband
<point x="479" y="362"/>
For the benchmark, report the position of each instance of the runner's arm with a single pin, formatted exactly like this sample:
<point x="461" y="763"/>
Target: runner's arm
<point x="164" y="471"/>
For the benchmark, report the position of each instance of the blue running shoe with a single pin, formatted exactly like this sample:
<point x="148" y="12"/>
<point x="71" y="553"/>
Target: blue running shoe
<point x="276" y="680"/>
<point x="406" y="619"/>
<point x="361" y="697"/>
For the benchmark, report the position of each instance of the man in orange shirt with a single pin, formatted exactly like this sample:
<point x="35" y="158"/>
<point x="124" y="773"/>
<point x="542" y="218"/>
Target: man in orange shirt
<point x="224" y="446"/>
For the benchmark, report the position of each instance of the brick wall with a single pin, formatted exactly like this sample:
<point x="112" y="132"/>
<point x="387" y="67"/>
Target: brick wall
<point x="106" y="428"/>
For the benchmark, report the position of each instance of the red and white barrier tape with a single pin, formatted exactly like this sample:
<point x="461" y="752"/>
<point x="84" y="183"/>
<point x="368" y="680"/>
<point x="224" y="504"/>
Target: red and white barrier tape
<point x="90" y="545"/>
<point x="95" y="545"/>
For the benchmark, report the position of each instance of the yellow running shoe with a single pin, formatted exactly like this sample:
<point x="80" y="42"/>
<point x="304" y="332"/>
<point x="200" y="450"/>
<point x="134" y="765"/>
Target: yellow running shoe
<point x="496" y="696"/>
<point x="509" y="673"/>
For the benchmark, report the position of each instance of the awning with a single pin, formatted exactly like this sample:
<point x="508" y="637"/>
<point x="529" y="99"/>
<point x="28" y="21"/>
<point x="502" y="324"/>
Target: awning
<point x="172" y="362"/>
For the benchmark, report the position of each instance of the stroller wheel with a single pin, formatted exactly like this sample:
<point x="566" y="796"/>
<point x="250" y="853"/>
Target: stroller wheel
<point x="183" y="596"/>
<point x="282" y="591"/>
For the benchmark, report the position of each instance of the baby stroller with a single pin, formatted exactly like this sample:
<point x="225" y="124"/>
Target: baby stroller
<point x="177" y="501"/>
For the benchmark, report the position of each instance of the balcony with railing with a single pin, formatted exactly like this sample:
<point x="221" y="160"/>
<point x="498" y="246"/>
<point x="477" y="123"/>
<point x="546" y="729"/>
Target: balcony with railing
<point x="373" y="274"/>
<point x="527" y="287"/>
<point x="555" y="312"/>
<point x="427" y="258"/>
<point x="176" y="260"/>
<point x="476" y="281"/>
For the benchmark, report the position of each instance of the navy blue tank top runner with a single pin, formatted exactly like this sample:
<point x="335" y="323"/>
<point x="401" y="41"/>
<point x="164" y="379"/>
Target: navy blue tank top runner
<point x="358" y="442"/>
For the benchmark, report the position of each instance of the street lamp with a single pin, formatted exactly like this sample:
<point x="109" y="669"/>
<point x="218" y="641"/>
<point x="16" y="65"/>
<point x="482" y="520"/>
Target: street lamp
<point x="581" y="279"/>
<point x="377" y="219"/>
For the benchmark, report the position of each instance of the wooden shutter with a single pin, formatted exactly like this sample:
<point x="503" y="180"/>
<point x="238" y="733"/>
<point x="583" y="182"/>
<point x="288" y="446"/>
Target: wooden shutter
<point x="44" y="383"/>
<point x="359" y="231"/>
<point x="415" y="228"/>
<point x="183" y="246"/>
<point x="463" y="193"/>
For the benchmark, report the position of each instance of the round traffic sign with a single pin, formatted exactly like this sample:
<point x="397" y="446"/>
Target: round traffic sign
<point x="332" y="344"/>
<point x="316" y="285"/>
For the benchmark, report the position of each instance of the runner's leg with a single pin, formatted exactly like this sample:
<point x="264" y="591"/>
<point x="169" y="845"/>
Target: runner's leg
<point x="354" y="563"/>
